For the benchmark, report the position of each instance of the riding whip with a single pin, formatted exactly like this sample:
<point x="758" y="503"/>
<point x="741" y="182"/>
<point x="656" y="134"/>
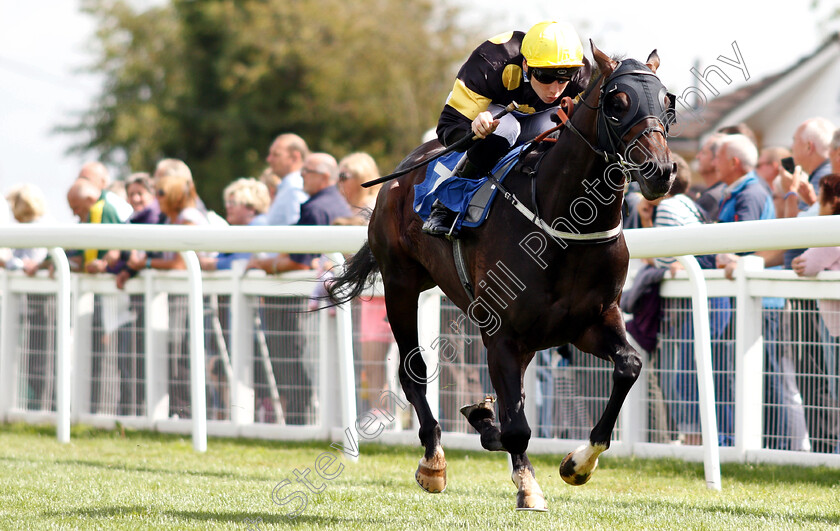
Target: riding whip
<point x="512" y="106"/>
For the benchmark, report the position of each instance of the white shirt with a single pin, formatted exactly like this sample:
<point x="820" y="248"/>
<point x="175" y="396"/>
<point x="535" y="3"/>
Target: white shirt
<point x="285" y="208"/>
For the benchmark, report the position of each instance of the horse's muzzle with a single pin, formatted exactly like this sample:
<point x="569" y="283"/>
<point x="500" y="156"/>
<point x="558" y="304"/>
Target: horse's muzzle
<point x="655" y="178"/>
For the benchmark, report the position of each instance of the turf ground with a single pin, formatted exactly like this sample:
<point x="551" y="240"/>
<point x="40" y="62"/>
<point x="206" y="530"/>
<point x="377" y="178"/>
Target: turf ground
<point x="139" y="480"/>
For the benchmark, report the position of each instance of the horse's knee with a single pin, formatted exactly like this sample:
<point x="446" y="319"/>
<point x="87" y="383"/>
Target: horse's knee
<point x="628" y="366"/>
<point x="515" y="436"/>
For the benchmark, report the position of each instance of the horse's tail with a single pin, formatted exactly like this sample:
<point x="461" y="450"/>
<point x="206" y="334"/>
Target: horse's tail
<point x="359" y="274"/>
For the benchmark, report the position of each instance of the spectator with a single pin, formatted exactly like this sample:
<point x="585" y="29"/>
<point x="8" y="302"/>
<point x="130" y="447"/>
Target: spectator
<point x="95" y="173"/>
<point x="374" y="331"/>
<point x="820" y="380"/>
<point x="768" y="168"/>
<point x="170" y="167"/>
<point x="271" y="181"/>
<point x="35" y="311"/>
<point x="810" y="152"/>
<point x="811" y="148"/>
<point x="354" y="170"/>
<point x="140" y="192"/>
<point x="92" y="205"/>
<point x="118" y="188"/>
<point x="744" y="199"/>
<point x="740" y="129"/>
<point x="325" y="204"/>
<point x="246" y="202"/>
<point x="178" y="202"/>
<point x="177" y="167"/>
<point x="676" y="209"/>
<point x="285" y="158"/>
<point x="677" y="369"/>
<point x="834" y="152"/>
<point x="28" y="205"/>
<point x="710" y="199"/>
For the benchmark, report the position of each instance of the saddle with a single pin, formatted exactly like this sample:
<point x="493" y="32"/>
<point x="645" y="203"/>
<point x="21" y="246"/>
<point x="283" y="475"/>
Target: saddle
<point x="470" y="199"/>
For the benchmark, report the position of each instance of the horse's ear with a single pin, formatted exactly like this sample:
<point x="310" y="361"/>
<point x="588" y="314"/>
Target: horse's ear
<point x="653" y="61"/>
<point x="604" y="62"/>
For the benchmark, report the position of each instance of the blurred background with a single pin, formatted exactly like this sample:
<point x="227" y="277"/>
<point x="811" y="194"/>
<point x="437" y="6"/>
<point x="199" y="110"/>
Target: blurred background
<point x="212" y="82"/>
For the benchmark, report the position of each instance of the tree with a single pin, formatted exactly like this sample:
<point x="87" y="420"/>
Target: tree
<point x="213" y="82"/>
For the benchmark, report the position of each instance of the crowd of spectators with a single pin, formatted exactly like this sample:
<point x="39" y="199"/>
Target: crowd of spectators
<point x="736" y="181"/>
<point x="742" y="183"/>
<point x="298" y="187"/>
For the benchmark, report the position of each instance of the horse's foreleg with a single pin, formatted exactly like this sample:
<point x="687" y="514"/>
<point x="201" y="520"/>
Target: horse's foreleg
<point x="401" y="304"/>
<point x="506" y="370"/>
<point x="608" y="341"/>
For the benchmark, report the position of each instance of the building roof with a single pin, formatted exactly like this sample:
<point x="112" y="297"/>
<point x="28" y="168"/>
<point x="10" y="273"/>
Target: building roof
<point x="738" y="105"/>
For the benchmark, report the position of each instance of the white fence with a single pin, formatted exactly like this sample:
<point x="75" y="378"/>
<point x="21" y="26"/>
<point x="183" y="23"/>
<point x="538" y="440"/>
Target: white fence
<point x="129" y="358"/>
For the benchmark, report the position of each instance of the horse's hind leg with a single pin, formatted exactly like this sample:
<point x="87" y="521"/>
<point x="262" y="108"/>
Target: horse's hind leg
<point x="608" y="341"/>
<point x="401" y="295"/>
<point x="506" y="370"/>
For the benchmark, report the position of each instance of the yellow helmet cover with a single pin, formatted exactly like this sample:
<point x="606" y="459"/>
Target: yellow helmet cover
<point x="552" y="45"/>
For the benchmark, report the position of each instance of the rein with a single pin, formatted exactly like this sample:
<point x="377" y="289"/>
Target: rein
<point x="610" y="128"/>
<point x="564" y="113"/>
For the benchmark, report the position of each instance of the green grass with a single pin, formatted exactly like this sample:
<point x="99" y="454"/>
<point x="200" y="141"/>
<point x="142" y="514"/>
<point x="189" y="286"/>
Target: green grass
<point x="140" y="480"/>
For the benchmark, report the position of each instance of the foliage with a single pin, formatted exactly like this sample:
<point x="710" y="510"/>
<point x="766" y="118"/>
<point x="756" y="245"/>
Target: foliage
<point x="213" y="82"/>
<point x="140" y="480"/>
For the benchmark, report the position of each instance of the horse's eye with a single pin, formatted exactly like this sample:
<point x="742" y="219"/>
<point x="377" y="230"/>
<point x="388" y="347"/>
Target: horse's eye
<point x="615" y="105"/>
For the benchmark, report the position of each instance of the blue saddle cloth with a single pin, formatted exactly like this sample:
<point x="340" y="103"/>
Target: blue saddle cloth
<point x="456" y="193"/>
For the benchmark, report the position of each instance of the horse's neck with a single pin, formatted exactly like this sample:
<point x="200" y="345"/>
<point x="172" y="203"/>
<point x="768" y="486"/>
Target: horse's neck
<point x="576" y="185"/>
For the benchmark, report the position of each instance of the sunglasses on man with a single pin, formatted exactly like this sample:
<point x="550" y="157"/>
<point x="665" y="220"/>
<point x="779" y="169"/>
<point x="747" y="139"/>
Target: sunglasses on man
<point x="547" y="76"/>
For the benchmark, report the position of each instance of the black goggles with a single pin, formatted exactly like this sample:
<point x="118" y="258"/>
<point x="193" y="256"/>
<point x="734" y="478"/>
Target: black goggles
<point x="547" y="76"/>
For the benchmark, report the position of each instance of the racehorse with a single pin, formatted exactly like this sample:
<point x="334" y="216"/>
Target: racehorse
<point x="546" y="286"/>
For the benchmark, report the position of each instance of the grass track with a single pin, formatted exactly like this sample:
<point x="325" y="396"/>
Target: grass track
<point x="140" y="480"/>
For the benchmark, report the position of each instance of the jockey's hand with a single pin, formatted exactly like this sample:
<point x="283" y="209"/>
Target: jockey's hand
<point x="484" y="124"/>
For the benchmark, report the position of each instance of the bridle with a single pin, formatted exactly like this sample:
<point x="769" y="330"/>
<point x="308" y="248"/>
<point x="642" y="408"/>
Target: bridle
<point x="647" y="100"/>
<point x="636" y="80"/>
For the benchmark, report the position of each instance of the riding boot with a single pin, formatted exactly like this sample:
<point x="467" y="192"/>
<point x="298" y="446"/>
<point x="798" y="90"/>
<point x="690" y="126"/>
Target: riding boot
<point x="442" y="220"/>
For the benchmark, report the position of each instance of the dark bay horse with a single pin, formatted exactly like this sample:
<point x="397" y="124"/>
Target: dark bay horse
<point x="535" y="285"/>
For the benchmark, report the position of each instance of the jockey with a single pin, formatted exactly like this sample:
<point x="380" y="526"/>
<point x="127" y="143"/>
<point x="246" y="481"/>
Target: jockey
<point x="534" y="69"/>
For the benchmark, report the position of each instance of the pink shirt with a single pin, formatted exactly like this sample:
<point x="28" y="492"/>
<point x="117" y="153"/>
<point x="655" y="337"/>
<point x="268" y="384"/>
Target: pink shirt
<point x="825" y="259"/>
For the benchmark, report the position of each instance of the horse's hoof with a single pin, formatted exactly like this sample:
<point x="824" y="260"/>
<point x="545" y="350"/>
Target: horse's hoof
<point x="530" y="496"/>
<point x="481" y="411"/>
<point x="533" y="502"/>
<point x="577" y="467"/>
<point x="431" y="473"/>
